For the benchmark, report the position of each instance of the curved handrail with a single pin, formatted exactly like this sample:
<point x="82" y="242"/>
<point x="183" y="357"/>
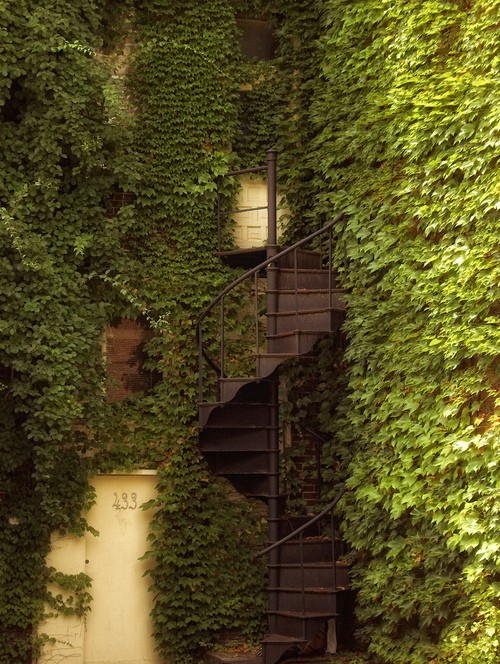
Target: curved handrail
<point x="249" y="273"/>
<point x="261" y="266"/>
<point x="304" y="526"/>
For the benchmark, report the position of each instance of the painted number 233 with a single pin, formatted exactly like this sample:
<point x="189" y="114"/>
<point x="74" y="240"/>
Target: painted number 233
<point x="125" y="502"/>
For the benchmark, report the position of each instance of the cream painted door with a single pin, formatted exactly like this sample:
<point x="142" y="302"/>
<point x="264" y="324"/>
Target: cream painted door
<point x="251" y="226"/>
<point x="118" y="628"/>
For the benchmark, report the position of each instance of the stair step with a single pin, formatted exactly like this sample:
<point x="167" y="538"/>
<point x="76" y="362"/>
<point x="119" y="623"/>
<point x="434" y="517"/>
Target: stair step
<point x="244" y="473"/>
<point x="317" y="600"/>
<point x="303" y="321"/>
<point x="288" y="278"/>
<point x="299" y="624"/>
<point x="304" y="299"/>
<point x="314" y="575"/>
<point x="294" y="342"/>
<point x="222" y="427"/>
<point x="213" y="657"/>
<point x="248" y="388"/>
<point x="227" y="439"/>
<point x="305" y="259"/>
<point x="253" y="485"/>
<point x="240" y="415"/>
<point x="274" y="645"/>
<point x="312" y="550"/>
<point x="268" y="362"/>
<point x="239" y="463"/>
<point x="204" y="410"/>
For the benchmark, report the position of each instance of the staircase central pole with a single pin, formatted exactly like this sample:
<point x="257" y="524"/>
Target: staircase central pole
<point x="271" y="157"/>
<point x="272" y="307"/>
<point x="272" y="243"/>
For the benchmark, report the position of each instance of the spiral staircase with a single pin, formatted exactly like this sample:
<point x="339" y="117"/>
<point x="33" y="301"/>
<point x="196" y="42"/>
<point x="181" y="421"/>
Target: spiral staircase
<point x="308" y="585"/>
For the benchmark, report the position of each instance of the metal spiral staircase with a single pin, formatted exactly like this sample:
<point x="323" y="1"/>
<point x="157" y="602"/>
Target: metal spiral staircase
<point x="238" y="422"/>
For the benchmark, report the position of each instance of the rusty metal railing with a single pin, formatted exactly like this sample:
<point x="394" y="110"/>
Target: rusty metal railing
<point x="272" y="551"/>
<point x="298" y="532"/>
<point x="265" y="265"/>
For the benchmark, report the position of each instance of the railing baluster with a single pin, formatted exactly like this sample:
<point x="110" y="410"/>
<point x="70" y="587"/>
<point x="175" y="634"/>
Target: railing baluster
<point x="296" y="284"/>
<point x="222" y="344"/>
<point x="257" y="327"/>
<point x="302" y="582"/>
<point x="334" y="553"/>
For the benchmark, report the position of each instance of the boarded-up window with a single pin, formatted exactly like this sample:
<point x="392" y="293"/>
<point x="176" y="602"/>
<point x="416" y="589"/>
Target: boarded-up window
<point x="125" y="357"/>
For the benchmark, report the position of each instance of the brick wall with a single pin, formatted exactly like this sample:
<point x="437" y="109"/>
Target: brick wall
<point x="125" y="357"/>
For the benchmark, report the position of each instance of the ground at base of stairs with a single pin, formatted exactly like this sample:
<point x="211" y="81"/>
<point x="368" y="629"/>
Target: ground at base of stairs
<point x="212" y="657"/>
<point x="245" y="658"/>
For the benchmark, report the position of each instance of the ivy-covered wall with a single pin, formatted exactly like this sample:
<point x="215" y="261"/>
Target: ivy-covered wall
<point x="70" y="139"/>
<point x="406" y="142"/>
<point x="54" y="239"/>
<point x="388" y="111"/>
<point x="184" y="84"/>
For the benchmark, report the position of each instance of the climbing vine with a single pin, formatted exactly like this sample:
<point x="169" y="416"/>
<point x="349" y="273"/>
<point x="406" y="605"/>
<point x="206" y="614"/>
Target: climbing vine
<point x="389" y="112"/>
<point x="405" y="142"/>
<point x="298" y="27"/>
<point x="183" y="83"/>
<point x="54" y="239"/>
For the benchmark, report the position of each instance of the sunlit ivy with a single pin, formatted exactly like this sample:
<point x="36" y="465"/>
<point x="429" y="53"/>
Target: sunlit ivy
<point x="406" y="143"/>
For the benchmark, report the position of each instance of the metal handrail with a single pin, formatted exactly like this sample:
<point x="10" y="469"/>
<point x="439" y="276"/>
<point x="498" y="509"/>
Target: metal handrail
<point x="270" y="260"/>
<point x="304" y="526"/>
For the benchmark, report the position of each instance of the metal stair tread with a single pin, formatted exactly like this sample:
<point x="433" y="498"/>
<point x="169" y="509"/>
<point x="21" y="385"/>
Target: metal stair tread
<point x="243" y="379"/>
<point x="235" y="450"/>
<point x="291" y="333"/>
<point x="251" y="427"/>
<point x="250" y="473"/>
<point x="206" y="405"/>
<point x="304" y="270"/>
<point x="303" y="290"/>
<point x="317" y="565"/>
<point x="276" y="356"/>
<point x="300" y="615"/>
<point x="282" y="638"/>
<point x="319" y="590"/>
<point x="244" y="403"/>
<point x="304" y="312"/>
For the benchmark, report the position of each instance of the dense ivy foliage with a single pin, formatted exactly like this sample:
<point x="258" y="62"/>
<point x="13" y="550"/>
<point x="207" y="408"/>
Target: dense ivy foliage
<point x="406" y="123"/>
<point x="183" y="81"/>
<point x="68" y="268"/>
<point x="388" y="111"/>
<point x="54" y="239"/>
<point x="298" y="27"/>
